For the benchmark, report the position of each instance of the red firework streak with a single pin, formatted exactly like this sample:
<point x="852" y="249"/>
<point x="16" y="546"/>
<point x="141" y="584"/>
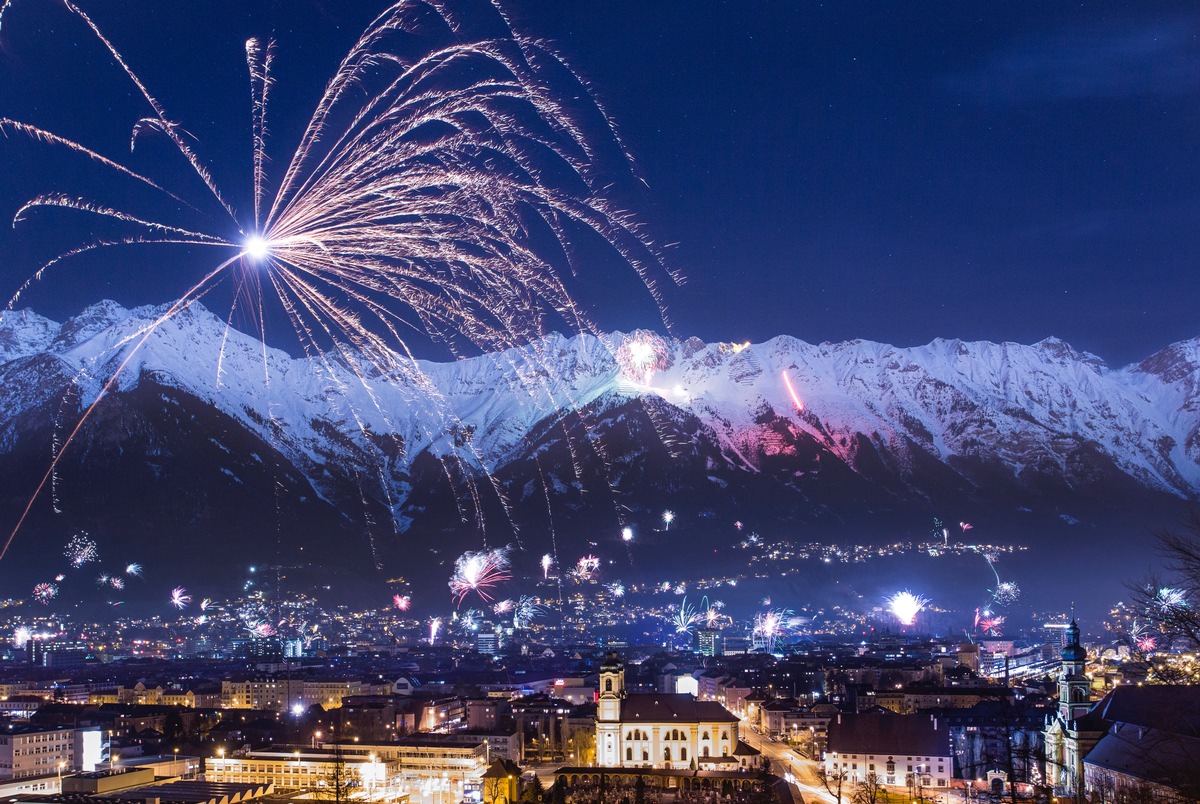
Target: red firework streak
<point x="792" y="393"/>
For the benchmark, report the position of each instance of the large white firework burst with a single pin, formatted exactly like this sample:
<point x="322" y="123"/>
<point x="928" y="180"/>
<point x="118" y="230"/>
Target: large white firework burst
<point x="442" y="185"/>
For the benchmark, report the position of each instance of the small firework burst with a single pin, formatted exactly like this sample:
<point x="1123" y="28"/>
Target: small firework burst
<point x="769" y="627"/>
<point x="616" y="589"/>
<point x="1168" y="599"/>
<point x="81" y="550"/>
<point x="1006" y="593"/>
<point x="641" y="354"/>
<point x="547" y="562"/>
<point x="45" y="592"/>
<point x="905" y="606"/>
<point x="503" y="606"/>
<point x="134" y="569"/>
<point x="117" y="582"/>
<point x="668" y="517"/>
<point x="402" y="602"/>
<point x="525" y="611"/>
<point x="585" y="569"/>
<point x="470" y="620"/>
<point x="685" y="618"/>
<point x="479" y="572"/>
<point x="180" y="598"/>
<point x="992" y="625"/>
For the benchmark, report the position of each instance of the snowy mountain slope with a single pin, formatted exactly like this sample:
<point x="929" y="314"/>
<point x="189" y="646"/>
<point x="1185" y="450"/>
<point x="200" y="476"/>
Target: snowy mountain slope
<point x="1036" y="412"/>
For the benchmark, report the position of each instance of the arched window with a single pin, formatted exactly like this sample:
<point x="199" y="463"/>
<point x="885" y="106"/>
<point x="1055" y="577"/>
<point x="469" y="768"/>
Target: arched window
<point x="629" y="735"/>
<point x="608" y="685"/>
<point x="645" y="755"/>
<point x="683" y="755"/>
<point x="674" y="734"/>
<point x="667" y="753"/>
<point x="704" y="751"/>
<point x="724" y="735"/>
<point x="629" y="755"/>
<point x="704" y="736"/>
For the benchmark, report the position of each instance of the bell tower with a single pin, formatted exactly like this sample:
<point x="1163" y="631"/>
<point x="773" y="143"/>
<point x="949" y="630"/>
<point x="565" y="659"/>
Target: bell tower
<point x="608" y="711"/>
<point x="1073" y="685"/>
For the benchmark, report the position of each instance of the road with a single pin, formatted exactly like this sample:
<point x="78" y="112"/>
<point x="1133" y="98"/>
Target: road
<point x="800" y="772"/>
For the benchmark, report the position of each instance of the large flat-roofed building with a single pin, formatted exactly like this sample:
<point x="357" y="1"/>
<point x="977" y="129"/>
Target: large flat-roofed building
<point x="31" y="751"/>
<point x="292" y="769"/>
<point x="419" y="768"/>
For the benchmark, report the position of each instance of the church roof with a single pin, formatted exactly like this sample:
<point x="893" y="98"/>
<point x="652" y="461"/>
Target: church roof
<point x="663" y="707"/>
<point x="1148" y="754"/>
<point x="880" y="734"/>
<point x="1170" y="707"/>
<point x="744" y="749"/>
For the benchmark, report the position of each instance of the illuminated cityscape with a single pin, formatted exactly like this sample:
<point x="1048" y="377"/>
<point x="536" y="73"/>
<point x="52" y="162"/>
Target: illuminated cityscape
<point x="495" y="401"/>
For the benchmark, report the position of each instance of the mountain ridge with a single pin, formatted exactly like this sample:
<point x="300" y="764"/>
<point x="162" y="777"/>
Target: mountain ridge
<point x="550" y="434"/>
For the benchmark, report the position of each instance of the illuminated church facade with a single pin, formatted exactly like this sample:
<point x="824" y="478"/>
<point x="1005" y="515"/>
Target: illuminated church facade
<point x="660" y="730"/>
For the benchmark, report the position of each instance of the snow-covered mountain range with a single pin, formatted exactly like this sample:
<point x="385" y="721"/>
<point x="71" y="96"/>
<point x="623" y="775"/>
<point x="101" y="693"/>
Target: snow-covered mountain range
<point x="831" y="428"/>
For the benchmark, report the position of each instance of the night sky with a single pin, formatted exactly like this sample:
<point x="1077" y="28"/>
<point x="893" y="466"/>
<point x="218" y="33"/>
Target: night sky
<point x="888" y="171"/>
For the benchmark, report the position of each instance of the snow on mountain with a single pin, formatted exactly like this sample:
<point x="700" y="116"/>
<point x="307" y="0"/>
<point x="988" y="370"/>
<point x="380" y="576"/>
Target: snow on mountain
<point x="1036" y="410"/>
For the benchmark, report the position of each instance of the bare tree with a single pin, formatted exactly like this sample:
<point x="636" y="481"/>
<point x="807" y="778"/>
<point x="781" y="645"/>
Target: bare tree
<point x="869" y="791"/>
<point x="833" y="781"/>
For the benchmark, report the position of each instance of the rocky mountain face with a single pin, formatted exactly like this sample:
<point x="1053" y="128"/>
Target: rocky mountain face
<point x="215" y="450"/>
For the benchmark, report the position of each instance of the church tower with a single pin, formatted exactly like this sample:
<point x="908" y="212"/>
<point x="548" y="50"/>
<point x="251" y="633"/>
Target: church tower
<point x="1073" y="685"/>
<point x="608" y="712"/>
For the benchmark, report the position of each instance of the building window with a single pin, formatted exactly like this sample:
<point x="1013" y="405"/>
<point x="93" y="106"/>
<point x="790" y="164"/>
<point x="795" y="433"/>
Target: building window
<point x="629" y="755"/>
<point x="667" y="754"/>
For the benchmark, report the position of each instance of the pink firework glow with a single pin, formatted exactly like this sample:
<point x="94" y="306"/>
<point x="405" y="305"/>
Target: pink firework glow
<point x="586" y="568"/>
<point x="180" y="598"/>
<point x="787" y="381"/>
<point x="45" y="592"/>
<point x="402" y="602"/>
<point x="992" y="625"/>
<point x="479" y="572"/>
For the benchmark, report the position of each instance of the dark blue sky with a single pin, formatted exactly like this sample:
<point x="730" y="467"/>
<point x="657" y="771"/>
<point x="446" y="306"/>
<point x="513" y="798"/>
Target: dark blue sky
<point x="893" y="171"/>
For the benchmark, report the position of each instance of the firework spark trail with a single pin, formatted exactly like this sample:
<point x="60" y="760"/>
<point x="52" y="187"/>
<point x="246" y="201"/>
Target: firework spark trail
<point x="553" y="537"/>
<point x="787" y="381"/>
<point x="72" y="390"/>
<point x="427" y="201"/>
